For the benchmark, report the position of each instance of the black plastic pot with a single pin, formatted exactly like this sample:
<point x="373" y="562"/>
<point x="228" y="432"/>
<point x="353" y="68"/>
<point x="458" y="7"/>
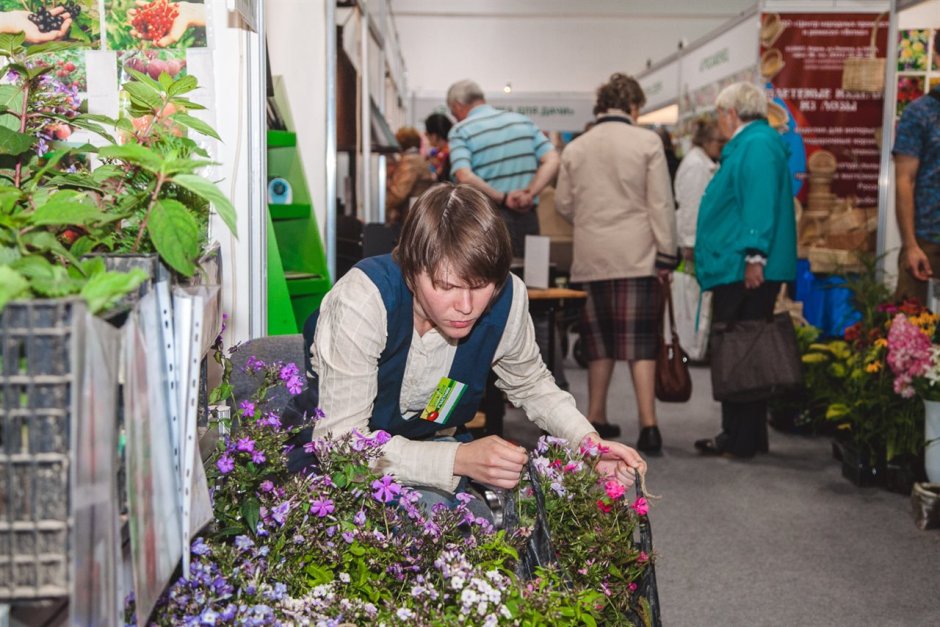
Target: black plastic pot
<point x="857" y="466"/>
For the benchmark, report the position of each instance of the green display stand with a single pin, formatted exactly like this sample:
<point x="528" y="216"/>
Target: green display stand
<point x="297" y="271"/>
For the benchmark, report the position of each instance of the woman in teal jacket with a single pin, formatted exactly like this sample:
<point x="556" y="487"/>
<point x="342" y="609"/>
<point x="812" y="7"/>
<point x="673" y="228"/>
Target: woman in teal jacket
<point x="746" y="242"/>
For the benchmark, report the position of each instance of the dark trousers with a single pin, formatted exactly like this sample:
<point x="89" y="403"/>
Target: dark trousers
<point x="743" y="425"/>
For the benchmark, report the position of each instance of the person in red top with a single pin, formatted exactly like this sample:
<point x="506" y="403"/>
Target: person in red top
<point x="437" y="126"/>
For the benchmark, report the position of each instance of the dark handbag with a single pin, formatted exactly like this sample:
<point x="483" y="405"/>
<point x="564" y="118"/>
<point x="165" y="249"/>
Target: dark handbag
<point x="754" y="360"/>
<point x="673" y="382"/>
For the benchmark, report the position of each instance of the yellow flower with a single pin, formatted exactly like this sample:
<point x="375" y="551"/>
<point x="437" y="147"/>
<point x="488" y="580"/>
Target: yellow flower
<point x="881" y="342"/>
<point x="873" y="367"/>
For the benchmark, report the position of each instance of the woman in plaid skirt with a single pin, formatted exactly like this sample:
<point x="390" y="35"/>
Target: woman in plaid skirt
<point x="614" y="188"/>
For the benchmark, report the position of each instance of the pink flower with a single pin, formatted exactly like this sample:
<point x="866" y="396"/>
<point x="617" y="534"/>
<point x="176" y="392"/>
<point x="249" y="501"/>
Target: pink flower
<point x="614" y="489"/>
<point x="631" y="587"/>
<point x="641" y="506"/>
<point x="604" y="507"/>
<point x="909" y="354"/>
<point x="642" y="557"/>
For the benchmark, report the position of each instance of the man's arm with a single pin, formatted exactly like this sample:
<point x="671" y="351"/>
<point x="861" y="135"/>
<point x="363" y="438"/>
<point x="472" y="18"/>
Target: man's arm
<point x="466" y="176"/>
<point x="521" y="199"/>
<point x="914" y="258"/>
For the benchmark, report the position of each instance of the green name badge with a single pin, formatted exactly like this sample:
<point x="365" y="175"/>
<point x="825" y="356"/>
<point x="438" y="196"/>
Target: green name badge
<point x="443" y="401"/>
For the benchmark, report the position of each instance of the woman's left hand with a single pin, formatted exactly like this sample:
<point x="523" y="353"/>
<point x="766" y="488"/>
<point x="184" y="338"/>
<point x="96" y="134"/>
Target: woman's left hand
<point x="617" y="461"/>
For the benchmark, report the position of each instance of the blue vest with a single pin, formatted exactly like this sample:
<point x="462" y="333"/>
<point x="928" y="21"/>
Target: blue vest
<point x="472" y="361"/>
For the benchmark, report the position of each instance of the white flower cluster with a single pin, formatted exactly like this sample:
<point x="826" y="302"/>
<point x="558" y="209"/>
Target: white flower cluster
<point x="478" y="593"/>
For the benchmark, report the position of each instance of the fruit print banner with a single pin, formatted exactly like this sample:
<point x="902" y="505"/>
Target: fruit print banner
<point x="802" y="57"/>
<point x="154" y="24"/>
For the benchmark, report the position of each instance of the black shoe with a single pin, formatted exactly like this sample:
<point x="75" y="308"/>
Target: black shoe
<point x="708" y="447"/>
<point x="606" y="430"/>
<point x="650" y="440"/>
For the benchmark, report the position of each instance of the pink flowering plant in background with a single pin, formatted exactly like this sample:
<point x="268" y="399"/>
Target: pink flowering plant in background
<point x="914" y="359"/>
<point x="343" y="543"/>
<point x="593" y="524"/>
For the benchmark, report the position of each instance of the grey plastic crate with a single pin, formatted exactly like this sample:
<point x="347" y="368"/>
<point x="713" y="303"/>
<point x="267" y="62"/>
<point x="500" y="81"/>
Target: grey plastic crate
<point x="38" y="341"/>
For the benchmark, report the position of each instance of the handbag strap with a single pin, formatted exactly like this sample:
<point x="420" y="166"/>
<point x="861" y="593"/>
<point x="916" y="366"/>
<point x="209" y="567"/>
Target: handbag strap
<point x="667" y="304"/>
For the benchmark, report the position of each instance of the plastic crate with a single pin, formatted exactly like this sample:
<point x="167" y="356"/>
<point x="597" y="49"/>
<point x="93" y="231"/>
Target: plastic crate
<point x="38" y="341"/>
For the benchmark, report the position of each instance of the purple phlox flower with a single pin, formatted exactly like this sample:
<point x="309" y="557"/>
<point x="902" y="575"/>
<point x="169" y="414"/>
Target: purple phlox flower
<point x="247" y="407"/>
<point x="225" y="464"/>
<point x="348" y="537"/>
<point x="228" y="614"/>
<point x="263" y="551"/>
<point x="266" y="486"/>
<point x="464" y="497"/>
<point x="385" y="489"/>
<point x="310" y="447"/>
<point x="208" y="617"/>
<point x="318" y="414"/>
<point x="295" y="385"/>
<point x="431" y="528"/>
<point x="258" y="457"/>
<point x="276" y="594"/>
<point x="199" y="547"/>
<point x="245" y="445"/>
<point x="322" y="507"/>
<point x="279" y="512"/>
<point x="288" y="372"/>
<point x="260" y="531"/>
<point x="253" y="364"/>
<point x="270" y="419"/>
<point x="331" y="531"/>
<point x="381" y="437"/>
<point x="243" y="543"/>
<point x="360" y="518"/>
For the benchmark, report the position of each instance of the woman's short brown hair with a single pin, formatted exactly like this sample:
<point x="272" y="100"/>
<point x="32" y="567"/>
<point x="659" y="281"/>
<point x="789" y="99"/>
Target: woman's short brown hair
<point x="703" y="129"/>
<point x="408" y="137"/>
<point x="455" y="225"/>
<point x="620" y="92"/>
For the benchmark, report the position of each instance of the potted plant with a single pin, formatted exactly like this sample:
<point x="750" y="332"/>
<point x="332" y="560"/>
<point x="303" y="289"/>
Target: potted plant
<point x="344" y="543"/>
<point x="60" y="203"/>
<point x="914" y="358"/>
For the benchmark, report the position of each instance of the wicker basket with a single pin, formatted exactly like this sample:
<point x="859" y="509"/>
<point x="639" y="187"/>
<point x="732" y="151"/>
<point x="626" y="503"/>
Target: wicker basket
<point x="866" y="74"/>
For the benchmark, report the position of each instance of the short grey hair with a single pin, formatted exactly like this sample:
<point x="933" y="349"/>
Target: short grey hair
<point x="747" y="99"/>
<point x="464" y="92"/>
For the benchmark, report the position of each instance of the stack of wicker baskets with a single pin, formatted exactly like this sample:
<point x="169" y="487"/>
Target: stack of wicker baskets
<point x="833" y="231"/>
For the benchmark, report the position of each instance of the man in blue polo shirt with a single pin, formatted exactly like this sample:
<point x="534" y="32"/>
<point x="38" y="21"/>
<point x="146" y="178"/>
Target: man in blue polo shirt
<point x="503" y="154"/>
<point x="917" y="201"/>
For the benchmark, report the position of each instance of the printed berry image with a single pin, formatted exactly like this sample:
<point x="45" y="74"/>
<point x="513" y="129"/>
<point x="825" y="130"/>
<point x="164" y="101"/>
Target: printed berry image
<point x="42" y="21"/>
<point x="144" y="24"/>
<point x="154" y="20"/>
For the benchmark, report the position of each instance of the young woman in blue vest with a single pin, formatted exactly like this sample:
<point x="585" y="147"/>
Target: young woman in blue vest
<point x="404" y="343"/>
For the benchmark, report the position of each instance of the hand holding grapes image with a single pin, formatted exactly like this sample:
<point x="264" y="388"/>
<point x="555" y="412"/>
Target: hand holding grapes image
<point x="41" y="27"/>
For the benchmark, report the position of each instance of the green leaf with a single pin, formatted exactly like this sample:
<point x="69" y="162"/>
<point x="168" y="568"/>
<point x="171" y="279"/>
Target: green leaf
<point x="105" y="172"/>
<point x="251" y="510"/>
<point x="182" y="85"/>
<point x="65" y="208"/>
<point x="144" y="96"/>
<point x="188" y="104"/>
<point x="83" y="245"/>
<point x="196" y="124"/>
<point x="12" y="285"/>
<point x="208" y="190"/>
<point x="11" y="100"/>
<point x="14" y="143"/>
<point x="58" y="283"/>
<point x="8" y="255"/>
<point x="165" y="81"/>
<point x="81" y="121"/>
<point x="143" y="78"/>
<point x="186" y="166"/>
<point x="133" y="153"/>
<point x="9" y="43"/>
<point x="50" y="46"/>
<point x="176" y="235"/>
<point x="104" y="290"/>
<point x="82" y="181"/>
<point x="38" y="70"/>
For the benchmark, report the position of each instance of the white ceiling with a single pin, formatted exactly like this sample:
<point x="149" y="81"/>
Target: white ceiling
<point x="545" y="45"/>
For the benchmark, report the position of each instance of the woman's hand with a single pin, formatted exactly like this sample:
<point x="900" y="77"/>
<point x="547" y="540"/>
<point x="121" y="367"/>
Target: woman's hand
<point x="492" y="461"/>
<point x="18" y="22"/>
<point x="753" y="275"/>
<point x="617" y="461"/>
